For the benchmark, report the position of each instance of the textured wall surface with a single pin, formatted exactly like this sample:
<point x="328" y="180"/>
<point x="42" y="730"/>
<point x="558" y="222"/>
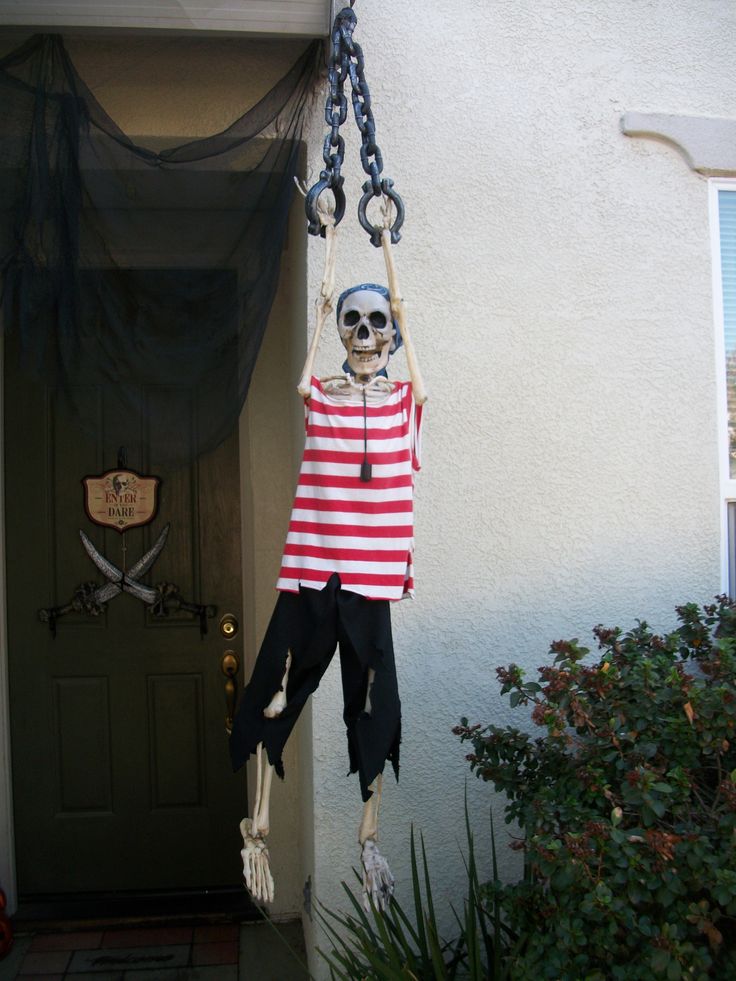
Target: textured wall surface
<point x="558" y="281"/>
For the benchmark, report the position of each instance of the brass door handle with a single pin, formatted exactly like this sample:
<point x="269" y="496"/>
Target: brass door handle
<point x="230" y="665"/>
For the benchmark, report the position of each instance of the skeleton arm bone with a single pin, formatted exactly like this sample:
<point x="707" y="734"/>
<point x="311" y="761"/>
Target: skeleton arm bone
<point x="397" y="309"/>
<point x="326" y="300"/>
<point x="378" y="882"/>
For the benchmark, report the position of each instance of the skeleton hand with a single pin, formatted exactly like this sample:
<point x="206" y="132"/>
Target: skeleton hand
<point x="256" y="866"/>
<point x="378" y="883"/>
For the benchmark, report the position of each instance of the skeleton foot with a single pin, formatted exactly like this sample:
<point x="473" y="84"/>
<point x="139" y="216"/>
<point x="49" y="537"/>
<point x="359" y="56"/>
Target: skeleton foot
<point x="378" y="882"/>
<point x="256" y="864"/>
<point x="278" y="703"/>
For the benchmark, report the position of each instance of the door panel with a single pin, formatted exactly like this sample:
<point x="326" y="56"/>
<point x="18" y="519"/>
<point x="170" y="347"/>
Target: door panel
<point x="122" y="778"/>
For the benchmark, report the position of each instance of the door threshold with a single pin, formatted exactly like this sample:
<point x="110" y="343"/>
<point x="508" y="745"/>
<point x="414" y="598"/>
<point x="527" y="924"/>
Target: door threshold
<point x="61" y="913"/>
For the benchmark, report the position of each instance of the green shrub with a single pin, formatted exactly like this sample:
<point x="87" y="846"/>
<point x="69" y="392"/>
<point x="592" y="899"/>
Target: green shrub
<point x="627" y="803"/>
<point x="406" y="945"/>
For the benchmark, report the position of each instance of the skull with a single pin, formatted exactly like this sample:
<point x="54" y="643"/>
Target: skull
<point x="367" y="332"/>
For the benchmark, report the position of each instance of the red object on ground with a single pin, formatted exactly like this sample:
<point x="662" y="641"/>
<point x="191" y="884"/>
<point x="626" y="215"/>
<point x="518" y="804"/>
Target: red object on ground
<point x="6" y="928"/>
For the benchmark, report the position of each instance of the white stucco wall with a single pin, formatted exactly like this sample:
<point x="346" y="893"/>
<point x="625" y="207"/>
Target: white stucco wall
<point x="558" y="281"/>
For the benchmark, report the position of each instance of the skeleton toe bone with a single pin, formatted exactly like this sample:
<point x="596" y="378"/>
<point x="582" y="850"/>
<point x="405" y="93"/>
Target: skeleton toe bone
<point x="255" y="855"/>
<point x="256" y="864"/>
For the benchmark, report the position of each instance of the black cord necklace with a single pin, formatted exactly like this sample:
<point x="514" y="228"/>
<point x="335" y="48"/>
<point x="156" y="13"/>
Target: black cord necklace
<point x="365" y="467"/>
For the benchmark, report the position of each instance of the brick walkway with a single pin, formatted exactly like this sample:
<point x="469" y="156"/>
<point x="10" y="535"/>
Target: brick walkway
<point x="228" y="952"/>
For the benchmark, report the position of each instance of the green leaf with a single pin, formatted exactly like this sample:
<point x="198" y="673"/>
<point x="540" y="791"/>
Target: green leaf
<point x="660" y="960"/>
<point x="674" y="971"/>
<point x="603" y="894"/>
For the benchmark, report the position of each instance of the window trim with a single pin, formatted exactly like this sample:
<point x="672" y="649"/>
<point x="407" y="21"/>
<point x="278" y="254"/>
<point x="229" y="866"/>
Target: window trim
<point x="726" y="482"/>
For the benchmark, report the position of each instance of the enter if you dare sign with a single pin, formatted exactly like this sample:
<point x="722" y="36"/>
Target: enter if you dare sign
<point x="121" y="499"/>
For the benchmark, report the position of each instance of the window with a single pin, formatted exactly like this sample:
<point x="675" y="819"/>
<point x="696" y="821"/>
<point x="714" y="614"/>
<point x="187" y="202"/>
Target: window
<point x="723" y="230"/>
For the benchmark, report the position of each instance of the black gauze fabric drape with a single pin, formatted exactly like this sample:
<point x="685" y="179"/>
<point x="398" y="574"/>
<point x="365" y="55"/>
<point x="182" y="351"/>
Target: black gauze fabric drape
<point x="149" y="274"/>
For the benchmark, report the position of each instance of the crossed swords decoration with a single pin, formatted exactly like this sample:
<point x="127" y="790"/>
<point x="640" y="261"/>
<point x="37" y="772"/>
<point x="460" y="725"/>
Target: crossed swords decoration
<point x="92" y="599"/>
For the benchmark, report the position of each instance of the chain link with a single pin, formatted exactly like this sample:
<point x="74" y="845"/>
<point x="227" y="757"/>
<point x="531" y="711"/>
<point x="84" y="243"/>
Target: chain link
<point x="347" y="61"/>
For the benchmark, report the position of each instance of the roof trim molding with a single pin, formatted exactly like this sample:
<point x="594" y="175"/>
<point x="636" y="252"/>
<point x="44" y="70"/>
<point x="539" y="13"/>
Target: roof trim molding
<point x="707" y="143"/>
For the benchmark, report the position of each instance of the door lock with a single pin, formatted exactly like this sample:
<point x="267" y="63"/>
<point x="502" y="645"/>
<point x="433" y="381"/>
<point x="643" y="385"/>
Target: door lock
<point x="229" y="626"/>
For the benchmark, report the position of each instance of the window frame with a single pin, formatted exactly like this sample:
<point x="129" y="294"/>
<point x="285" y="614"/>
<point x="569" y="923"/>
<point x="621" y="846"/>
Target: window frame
<point x="726" y="482"/>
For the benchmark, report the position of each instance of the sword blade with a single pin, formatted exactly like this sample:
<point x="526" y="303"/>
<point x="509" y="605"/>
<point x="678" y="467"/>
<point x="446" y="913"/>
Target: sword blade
<point x="118" y="582"/>
<point x="145" y="562"/>
<point x="141" y="592"/>
<point x="108" y="570"/>
<point x="107" y="592"/>
<point x="111" y="589"/>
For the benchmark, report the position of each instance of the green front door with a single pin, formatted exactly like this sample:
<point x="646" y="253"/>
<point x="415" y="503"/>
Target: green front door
<point x="121" y="774"/>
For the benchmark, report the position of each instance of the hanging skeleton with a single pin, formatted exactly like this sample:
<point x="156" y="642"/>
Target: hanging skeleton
<point x="348" y="552"/>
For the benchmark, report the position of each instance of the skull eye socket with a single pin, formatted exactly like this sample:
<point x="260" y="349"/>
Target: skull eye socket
<point x="351" y="318"/>
<point x="378" y="320"/>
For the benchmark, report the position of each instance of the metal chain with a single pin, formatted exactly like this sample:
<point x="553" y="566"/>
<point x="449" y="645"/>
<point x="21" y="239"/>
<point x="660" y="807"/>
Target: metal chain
<point x="347" y="61"/>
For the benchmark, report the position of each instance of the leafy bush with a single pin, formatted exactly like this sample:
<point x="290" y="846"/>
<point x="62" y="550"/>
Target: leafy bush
<point x="627" y="803"/>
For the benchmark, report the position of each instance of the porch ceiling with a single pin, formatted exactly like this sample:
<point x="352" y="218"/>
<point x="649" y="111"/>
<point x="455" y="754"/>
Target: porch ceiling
<point x="308" y="18"/>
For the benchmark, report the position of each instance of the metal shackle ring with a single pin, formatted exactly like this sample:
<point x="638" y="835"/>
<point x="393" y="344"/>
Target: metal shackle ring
<point x="315" y="226"/>
<point x="375" y="231"/>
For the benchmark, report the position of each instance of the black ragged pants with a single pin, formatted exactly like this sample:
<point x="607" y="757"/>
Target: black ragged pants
<point x="312" y="624"/>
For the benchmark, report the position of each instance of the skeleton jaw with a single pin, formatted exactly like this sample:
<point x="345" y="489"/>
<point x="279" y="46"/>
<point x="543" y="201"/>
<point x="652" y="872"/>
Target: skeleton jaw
<point x="366" y="360"/>
<point x="369" y="360"/>
<point x="366" y="355"/>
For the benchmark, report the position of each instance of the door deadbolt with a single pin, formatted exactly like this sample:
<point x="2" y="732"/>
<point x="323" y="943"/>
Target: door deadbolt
<point x="229" y="626"/>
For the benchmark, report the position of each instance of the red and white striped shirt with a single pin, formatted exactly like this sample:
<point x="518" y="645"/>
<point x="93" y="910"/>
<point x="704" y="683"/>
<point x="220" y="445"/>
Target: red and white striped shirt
<point x="364" y="531"/>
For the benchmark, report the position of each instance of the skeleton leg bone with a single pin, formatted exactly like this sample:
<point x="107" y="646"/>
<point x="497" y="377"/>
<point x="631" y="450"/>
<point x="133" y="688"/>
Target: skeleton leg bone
<point x="256" y="860"/>
<point x="256" y="863"/>
<point x="378" y="882"/>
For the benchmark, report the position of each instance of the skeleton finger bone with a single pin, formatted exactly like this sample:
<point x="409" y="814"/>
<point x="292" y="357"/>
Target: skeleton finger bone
<point x="378" y="882"/>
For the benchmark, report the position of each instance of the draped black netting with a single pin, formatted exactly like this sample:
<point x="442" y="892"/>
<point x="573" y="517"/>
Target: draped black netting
<point x="149" y="274"/>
